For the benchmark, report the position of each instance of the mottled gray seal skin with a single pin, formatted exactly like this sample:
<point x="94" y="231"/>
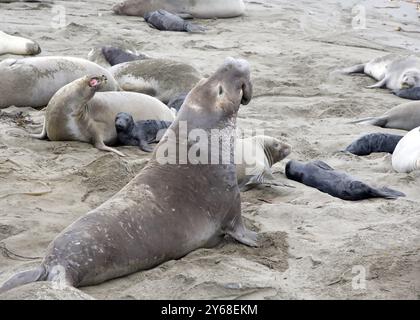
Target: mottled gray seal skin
<point x="204" y="9"/>
<point x="338" y="184"/>
<point x="140" y="133"/>
<point x="411" y="93"/>
<point x="33" y="81"/>
<point x="405" y="116"/>
<point x="168" y="209"/>
<point x="160" y="78"/>
<point x="166" y="21"/>
<point x="391" y="71"/>
<point x="374" y="142"/>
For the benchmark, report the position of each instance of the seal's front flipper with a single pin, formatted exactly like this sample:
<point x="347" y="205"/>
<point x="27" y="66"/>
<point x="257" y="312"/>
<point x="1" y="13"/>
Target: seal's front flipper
<point x="378" y="84"/>
<point x="194" y="28"/>
<point x="23" y="278"/>
<point x="245" y="236"/>
<point x="101" y="146"/>
<point x="185" y="15"/>
<point x="43" y="134"/>
<point x="144" y="146"/>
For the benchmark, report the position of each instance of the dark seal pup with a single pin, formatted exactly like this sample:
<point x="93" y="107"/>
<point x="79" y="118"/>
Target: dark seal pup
<point x="141" y="133"/>
<point x="116" y="55"/>
<point x="374" y="142"/>
<point x="166" y="21"/>
<point x="411" y="93"/>
<point x="169" y="209"/>
<point x="321" y="176"/>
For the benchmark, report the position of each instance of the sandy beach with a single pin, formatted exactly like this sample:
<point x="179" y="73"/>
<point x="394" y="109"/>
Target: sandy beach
<point x="313" y="246"/>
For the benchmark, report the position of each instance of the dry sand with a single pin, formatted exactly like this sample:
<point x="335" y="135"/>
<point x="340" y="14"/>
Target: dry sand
<point x="311" y="242"/>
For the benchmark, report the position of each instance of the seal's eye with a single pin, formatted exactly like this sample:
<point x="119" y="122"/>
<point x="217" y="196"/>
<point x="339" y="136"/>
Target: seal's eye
<point x="220" y="90"/>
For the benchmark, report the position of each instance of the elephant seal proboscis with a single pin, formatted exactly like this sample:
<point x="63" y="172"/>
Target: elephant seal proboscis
<point x="77" y="112"/>
<point x="17" y="45"/>
<point x="319" y="175"/>
<point x="160" y="78"/>
<point x="140" y="133"/>
<point x="185" y="8"/>
<point x="108" y="56"/>
<point x="405" y="116"/>
<point x="406" y="157"/>
<point x="374" y="142"/>
<point x="33" y="81"/>
<point x="391" y="71"/>
<point x="255" y="157"/>
<point x="166" y="21"/>
<point x="167" y="210"/>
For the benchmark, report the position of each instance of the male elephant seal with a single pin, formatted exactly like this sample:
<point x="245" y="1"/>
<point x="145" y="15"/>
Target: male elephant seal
<point x="374" y="142"/>
<point x="168" y="209"/>
<point x="77" y="113"/>
<point x="338" y="184"/>
<point x="405" y="116"/>
<point x="108" y="56"/>
<point x="255" y="156"/>
<point x="166" y="21"/>
<point x="160" y="78"/>
<point x="391" y="71"/>
<point x="33" y="81"/>
<point x="198" y="8"/>
<point x="140" y="133"/>
<point x="17" y="45"/>
<point x="406" y="157"/>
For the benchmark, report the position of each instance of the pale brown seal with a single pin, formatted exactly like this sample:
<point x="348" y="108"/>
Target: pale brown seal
<point x="167" y="210"/>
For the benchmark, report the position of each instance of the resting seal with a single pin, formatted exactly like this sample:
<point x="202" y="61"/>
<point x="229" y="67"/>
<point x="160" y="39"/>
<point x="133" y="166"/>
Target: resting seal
<point x="255" y="157"/>
<point x="411" y="93"/>
<point x="338" y="184"/>
<point x="166" y="21"/>
<point x="405" y="116"/>
<point x="392" y="71"/>
<point x="18" y="45"/>
<point x="33" y="81"/>
<point x="77" y="113"/>
<point x="198" y="8"/>
<point x="167" y="210"/>
<point x="406" y="157"/>
<point x="160" y="78"/>
<point x="108" y="56"/>
<point x="374" y="142"/>
<point x="140" y="133"/>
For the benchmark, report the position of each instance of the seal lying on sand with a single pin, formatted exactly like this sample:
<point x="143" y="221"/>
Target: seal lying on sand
<point x="186" y="8"/>
<point x="17" y="45"/>
<point x="176" y="102"/>
<point x="140" y="133"/>
<point x="405" y="116"/>
<point x="149" y="222"/>
<point x="406" y="157"/>
<point x="411" y="93"/>
<point x="374" y="142"/>
<point x="76" y="113"/>
<point x="166" y="21"/>
<point x="160" y="78"/>
<point x="33" y="81"/>
<point x="108" y="56"/>
<point x="392" y="71"/>
<point x="338" y="184"/>
<point x="255" y="156"/>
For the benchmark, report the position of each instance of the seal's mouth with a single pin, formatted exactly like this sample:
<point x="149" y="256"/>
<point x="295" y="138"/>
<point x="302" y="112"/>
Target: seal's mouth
<point x="95" y="82"/>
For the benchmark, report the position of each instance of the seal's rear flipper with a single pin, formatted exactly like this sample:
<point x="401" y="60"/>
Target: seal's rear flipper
<point x="380" y="122"/>
<point x="358" y="68"/>
<point x="388" y="193"/>
<point x="23" y="278"/>
<point x="412" y="93"/>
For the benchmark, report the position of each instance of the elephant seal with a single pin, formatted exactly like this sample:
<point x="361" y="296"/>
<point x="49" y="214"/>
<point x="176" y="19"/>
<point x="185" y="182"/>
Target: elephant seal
<point x="18" y="45"/>
<point x="405" y="116"/>
<point x="166" y="21"/>
<point x="255" y="157"/>
<point x="411" y="93"/>
<point x="406" y="157"/>
<point x="338" y="184"/>
<point x="149" y="222"/>
<point x="33" y="81"/>
<point x="78" y="113"/>
<point x="160" y="78"/>
<point x="140" y="133"/>
<point x="186" y="8"/>
<point x="109" y="56"/>
<point x="374" y="142"/>
<point x="391" y="71"/>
